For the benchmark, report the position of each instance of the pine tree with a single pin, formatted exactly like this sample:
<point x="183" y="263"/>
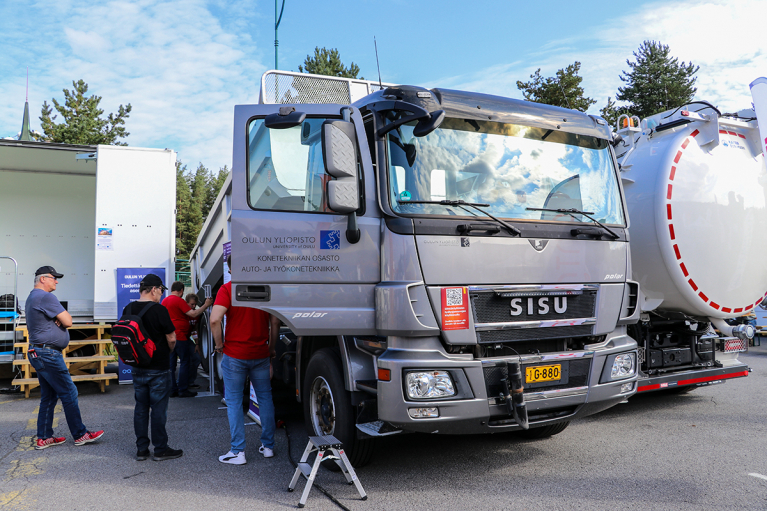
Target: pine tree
<point x="328" y="62"/>
<point x="563" y="90"/>
<point x="187" y="215"/>
<point x="656" y="82"/>
<point x="81" y="119"/>
<point x="214" y="187"/>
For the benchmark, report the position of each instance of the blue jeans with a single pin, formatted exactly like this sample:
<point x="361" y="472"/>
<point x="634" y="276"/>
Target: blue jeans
<point x="235" y="371"/>
<point x="194" y="362"/>
<point x="183" y="351"/>
<point x="55" y="384"/>
<point x="152" y="390"/>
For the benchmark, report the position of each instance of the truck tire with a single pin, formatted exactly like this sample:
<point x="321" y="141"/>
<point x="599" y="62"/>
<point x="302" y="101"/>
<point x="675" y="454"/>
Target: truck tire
<point x="205" y="340"/>
<point x="328" y="409"/>
<point x="544" y="431"/>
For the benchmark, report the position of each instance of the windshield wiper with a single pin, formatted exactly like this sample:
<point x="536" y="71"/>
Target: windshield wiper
<point x="572" y="212"/>
<point x="461" y="204"/>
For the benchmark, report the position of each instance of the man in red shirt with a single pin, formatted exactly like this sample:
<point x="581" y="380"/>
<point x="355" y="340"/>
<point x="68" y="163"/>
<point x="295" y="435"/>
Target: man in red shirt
<point x="248" y="346"/>
<point x="180" y="314"/>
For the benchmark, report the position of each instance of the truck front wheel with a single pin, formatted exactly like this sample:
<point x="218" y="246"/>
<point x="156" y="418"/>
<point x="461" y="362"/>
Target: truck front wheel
<point x="327" y="406"/>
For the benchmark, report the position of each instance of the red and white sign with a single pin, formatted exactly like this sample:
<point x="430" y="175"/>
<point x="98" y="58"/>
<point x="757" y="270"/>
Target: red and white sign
<point x="455" y="308"/>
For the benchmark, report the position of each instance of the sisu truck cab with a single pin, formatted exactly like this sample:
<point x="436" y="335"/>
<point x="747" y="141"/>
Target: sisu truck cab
<point x="447" y="261"/>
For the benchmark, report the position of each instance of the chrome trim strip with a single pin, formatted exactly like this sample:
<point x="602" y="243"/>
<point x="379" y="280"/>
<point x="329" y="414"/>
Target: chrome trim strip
<point x="533" y="288"/>
<point x="551" y="394"/>
<point x="516" y="325"/>
<point x="546" y="394"/>
<point x="532" y="359"/>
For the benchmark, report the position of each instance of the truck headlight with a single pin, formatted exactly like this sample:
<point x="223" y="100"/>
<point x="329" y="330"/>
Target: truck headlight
<point x="429" y="384"/>
<point x="623" y="366"/>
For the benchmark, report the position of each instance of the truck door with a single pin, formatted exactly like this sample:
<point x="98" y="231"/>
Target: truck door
<point x="290" y="252"/>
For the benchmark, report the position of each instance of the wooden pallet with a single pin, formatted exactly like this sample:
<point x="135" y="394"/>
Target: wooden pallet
<point x="78" y="366"/>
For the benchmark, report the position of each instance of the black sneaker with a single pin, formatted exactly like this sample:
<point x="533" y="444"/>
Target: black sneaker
<point x="187" y="393"/>
<point x="142" y="455"/>
<point x="194" y="386"/>
<point x="174" y="393"/>
<point x="168" y="454"/>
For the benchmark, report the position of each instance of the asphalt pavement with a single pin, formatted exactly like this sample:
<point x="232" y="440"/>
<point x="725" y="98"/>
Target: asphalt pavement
<point x="697" y="451"/>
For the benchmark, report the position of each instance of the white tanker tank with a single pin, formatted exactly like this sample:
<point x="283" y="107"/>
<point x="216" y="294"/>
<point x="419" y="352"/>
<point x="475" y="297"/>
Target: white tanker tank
<point x="696" y="188"/>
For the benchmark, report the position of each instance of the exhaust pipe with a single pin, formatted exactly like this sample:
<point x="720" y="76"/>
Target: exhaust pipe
<point x="515" y="399"/>
<point x="743" y="332"/>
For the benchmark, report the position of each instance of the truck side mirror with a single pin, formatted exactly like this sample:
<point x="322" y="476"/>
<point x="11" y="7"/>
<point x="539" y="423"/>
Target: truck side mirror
<point x="339" y="152"/>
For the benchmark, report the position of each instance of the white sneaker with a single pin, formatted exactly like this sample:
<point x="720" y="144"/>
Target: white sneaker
<point x="232" y="458"/>
<point x="268" y="453"/>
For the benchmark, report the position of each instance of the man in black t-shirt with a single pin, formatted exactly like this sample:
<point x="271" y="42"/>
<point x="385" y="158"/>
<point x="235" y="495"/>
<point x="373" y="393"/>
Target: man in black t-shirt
<point x="152" y="384"/>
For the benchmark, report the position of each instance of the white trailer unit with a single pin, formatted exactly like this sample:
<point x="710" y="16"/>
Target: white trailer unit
<point x="86" y="211"/>
<point x="696" y="188"/>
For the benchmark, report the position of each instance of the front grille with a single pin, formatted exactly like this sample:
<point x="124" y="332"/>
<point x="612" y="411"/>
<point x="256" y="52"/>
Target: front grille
<point x="490" y="308"/>
<point x="528" y="334"/>
<point x="578" y="377"/>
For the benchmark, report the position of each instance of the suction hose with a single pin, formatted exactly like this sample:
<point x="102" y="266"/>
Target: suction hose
<point x="744" y="332"/>
<point x="515" y="399"/>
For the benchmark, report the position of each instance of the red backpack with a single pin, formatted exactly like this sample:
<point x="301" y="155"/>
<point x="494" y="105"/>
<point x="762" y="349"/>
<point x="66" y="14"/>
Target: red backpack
<point x="131" y="341"/>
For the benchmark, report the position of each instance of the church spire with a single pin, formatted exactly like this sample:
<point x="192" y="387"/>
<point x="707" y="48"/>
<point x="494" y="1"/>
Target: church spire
<point x="25" y="132"/>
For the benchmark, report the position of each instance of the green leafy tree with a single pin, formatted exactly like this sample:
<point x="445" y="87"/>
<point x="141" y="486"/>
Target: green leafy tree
<point x="188" y="214"/>
<point x="214" y="187"/>
<point x="564" y="89"/>
<point x="82" y="121"/>
<point x="195" y="194"/>
<point x="656" y="81"/>
<point x="328" y="62"/>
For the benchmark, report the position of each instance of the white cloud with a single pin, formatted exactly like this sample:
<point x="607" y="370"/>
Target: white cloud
<point x="725" y="38"/>
<point x="174" y="61"/>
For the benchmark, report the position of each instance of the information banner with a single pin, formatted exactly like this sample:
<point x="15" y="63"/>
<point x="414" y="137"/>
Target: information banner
<point x="128" y="281"/>
<point x="455" y="308"/>
<point x="227" y="251"/>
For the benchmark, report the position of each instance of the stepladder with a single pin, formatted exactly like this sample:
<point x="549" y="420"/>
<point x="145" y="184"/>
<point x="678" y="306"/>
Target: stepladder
<point x="328" y="449"/>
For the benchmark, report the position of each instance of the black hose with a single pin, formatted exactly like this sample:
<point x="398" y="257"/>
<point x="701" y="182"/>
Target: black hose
<point x="335" y="501"/>
<point x="708" y="105"/>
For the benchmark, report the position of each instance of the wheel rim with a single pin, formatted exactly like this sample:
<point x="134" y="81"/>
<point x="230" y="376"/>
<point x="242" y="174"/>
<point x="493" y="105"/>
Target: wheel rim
<point x="323" y="410"/>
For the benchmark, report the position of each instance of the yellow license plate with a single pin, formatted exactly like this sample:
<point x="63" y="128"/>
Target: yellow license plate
<point x="543" y="373"/>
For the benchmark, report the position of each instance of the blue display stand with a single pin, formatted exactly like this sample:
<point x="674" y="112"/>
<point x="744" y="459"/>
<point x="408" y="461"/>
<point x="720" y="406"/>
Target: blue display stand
<point x="128" y="281"/>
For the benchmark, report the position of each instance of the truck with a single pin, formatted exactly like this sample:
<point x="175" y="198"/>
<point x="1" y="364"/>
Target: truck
<point x="445" y="261"/>
<point x="696" y="187"/>
<point x="86" y="210"/>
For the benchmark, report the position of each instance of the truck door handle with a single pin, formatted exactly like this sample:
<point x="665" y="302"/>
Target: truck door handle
<point x="467" y="228"/>
<point x="253" y="293"/>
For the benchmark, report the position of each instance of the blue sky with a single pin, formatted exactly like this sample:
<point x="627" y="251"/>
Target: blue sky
<point x="184" y="64"/>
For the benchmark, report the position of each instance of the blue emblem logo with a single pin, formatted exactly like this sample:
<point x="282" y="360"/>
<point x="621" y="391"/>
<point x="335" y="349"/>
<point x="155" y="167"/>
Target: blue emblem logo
<point x="330" y="240"/>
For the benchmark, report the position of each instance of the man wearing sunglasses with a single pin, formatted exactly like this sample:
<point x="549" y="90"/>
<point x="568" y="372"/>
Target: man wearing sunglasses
<point x="47" y="323"/>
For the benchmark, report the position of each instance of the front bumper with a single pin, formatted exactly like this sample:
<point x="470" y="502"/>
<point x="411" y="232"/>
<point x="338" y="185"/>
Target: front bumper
<point x="697" y="377"/>
<point x="479" y="409"/>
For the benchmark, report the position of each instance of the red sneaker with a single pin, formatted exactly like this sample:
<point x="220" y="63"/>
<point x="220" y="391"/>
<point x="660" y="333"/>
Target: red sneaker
<point x="89" y="436"/>
<point x="47" y="442"/>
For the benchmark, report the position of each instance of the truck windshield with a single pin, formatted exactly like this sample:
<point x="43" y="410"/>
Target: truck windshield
<point x="510" y="167"/>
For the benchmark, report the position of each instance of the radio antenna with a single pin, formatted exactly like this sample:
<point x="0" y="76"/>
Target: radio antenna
<point x="380" y="84"/>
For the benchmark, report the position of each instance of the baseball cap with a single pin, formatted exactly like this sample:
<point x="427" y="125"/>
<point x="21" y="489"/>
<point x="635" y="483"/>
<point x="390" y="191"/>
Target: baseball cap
<point x="48" y="269"/>
<point x="154" y="281"/>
